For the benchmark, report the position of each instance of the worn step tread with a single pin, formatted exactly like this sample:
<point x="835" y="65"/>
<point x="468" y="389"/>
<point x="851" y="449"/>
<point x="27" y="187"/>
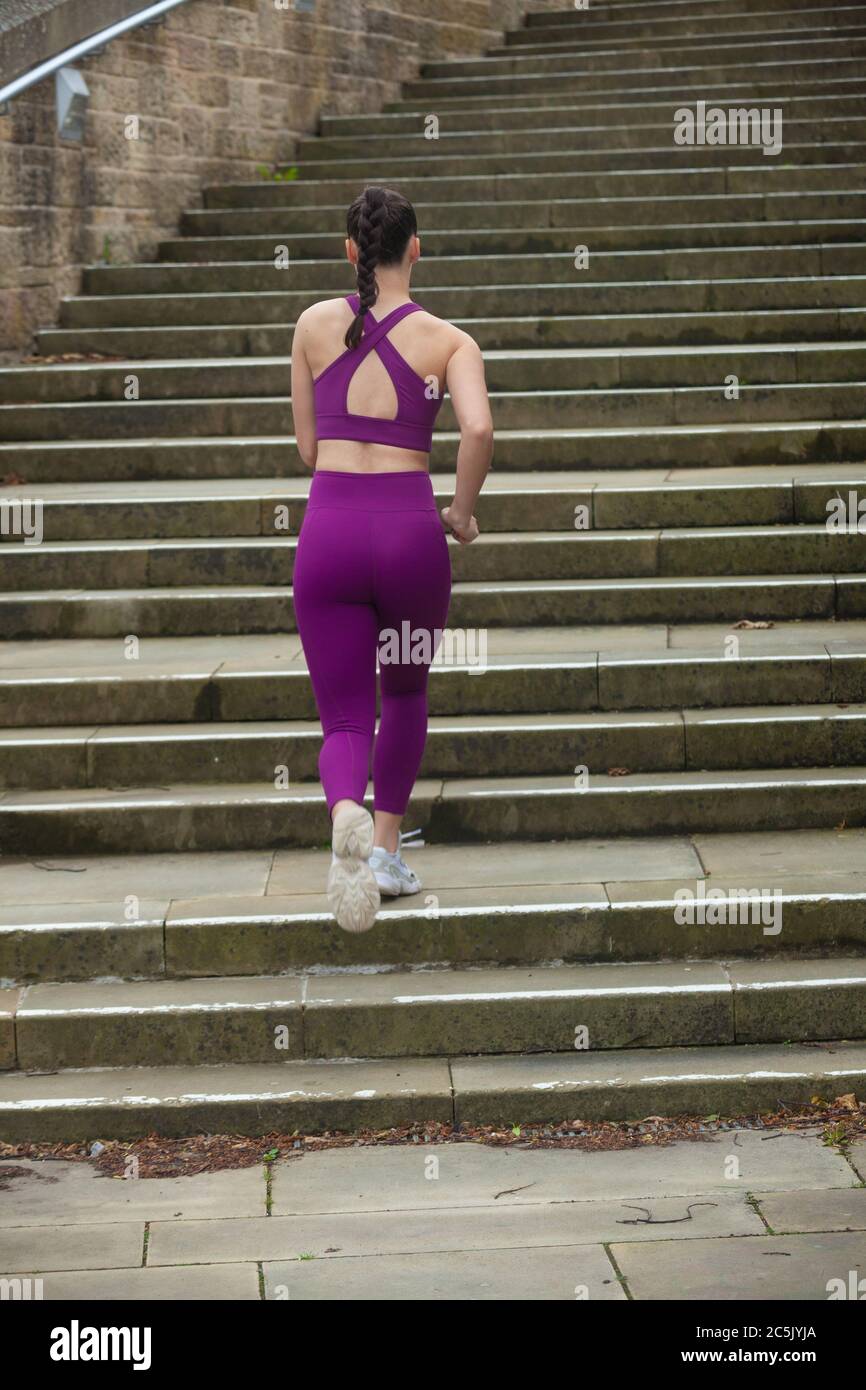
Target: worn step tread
<point x="124" y="491"/>
<point x="393" y="988"/>
<point x="314" y="1095"/>
<point x="249" y="654"/>
<point x="264" y="913"/>
<point x="99" y="799"/>
<point x="486" y="540"/>
<point x="436" y="1012"/>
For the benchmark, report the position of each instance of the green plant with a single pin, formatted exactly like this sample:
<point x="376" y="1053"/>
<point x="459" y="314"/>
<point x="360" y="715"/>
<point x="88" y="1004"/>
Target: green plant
<point x="277" y="175"/>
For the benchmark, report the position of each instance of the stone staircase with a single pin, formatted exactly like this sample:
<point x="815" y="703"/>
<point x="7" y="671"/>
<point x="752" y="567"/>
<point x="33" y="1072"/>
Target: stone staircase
<point x="673" y="694"/>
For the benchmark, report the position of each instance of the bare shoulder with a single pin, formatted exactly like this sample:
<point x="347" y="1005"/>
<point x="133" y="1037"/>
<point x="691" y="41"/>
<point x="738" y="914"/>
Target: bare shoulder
<point x="451" y="337"/>
<point x="326" y="313"/>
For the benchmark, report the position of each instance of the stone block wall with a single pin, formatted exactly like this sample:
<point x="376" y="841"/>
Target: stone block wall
<point x="221" y="87"/>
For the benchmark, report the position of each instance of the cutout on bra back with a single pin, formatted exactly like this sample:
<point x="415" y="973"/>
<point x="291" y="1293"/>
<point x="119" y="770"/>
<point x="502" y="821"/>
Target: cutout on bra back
<point x="371" y="383"/>
<point x="359" y="373"/>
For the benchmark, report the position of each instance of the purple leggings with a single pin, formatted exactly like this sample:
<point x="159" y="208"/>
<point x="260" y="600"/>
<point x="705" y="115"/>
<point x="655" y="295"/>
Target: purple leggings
<point x="372" y="577"/>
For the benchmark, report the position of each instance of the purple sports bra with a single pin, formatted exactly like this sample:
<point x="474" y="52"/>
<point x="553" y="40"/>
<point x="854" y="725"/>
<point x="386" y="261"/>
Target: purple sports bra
<point x="412" y="427"/>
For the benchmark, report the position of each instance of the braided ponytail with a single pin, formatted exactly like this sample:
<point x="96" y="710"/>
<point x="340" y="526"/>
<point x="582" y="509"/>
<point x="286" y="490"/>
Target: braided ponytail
<point x="380" y="222"/>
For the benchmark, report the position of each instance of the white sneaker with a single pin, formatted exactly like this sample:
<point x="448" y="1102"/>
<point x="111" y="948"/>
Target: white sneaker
<point x="392" y="873"/>
<point x="352" y="890"/>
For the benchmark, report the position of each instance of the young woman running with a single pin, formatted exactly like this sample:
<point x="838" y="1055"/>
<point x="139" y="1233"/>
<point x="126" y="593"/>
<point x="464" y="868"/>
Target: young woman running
<point x="372" y="558"/>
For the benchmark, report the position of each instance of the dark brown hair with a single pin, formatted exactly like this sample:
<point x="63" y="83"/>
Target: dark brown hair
<point x="380" y="222"/>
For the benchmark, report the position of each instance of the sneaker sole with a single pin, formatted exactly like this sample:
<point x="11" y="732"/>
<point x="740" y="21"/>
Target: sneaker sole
<point x="388" y="890"/>
<point x="353" y="893"/>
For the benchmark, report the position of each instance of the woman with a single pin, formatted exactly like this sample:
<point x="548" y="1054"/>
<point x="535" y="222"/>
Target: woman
<point x="372" y="558"/>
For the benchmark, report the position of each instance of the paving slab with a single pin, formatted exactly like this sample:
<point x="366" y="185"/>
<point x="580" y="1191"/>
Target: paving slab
<point x="781" y="636"/>
<point x="308" y="905"/>
<point x="102" y="878"/>
<point x="455" y="1175"/>
<point x="477" y="866"/>
<point x="543" y="1274"/>
<point x="739" y="856"/>
<point x="790" y="885"/>
<point x="477" y="1228"/>
<point x="200" y="652"/>
<point x="184" y="1283"/>
<point x="57" y="1193"/>
<point x="768" y="1268"/>
<point x="33" y="1249"/>
<point x="102" y="882"/>
<point x="857" y="1157"/>
<point x="839" y="1209"/>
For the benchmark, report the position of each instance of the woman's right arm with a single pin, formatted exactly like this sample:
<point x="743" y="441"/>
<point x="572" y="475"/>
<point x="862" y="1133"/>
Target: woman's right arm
<point x="464" y="377"/>
<point x="303" y="409"/>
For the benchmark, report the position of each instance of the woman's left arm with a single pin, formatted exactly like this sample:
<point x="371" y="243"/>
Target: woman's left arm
<point x="303" y="410"/>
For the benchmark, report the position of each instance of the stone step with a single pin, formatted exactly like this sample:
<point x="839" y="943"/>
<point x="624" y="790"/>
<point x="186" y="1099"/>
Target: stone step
<point x="663" y="154"/>
<point x="703" y="328"/>
<point x="455" y="302"/>
<point x="819" y="89"/>
<point x="537" y="501"/>
<point x="643" y="266"/>
<point x="654" y="134"/>
<point x="599" y="408"/>
<point x="735" y="1080"/>
<point x="742" y="749"/>
<point x="818" y="102"/>
<point x="506" y="369"/>
<point x="197" y="508"/>
<point x="517" y="903"/>
<point x="260" y="816"/>
<point x="750" y="35"/>
<point x="509" y="556"/>
<point x="681" y="12"/>
<point x="700" y="28"/>
<point x="541" y="1009"/>
<point x="517" y="671"/>
<point x="769" y="736"/>
<point x="468" y="218"/>
<point x="727" y="446"/>
<point x="306" y="1097"/>
<point x="543" y="240"/>
<point x="689" y="178"/>
<point x="231" y="609"/>
<point x="716" y="50"/>
<point x="729" y="81"/>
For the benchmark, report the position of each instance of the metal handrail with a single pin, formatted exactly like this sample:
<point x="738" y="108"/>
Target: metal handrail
<point x="151" y="14"/>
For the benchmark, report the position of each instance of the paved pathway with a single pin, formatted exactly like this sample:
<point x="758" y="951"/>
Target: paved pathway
<point x="745" y="1215"/>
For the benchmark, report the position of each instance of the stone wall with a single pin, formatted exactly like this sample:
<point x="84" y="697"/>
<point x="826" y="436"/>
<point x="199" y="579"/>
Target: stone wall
<point x="221" y="87"/>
